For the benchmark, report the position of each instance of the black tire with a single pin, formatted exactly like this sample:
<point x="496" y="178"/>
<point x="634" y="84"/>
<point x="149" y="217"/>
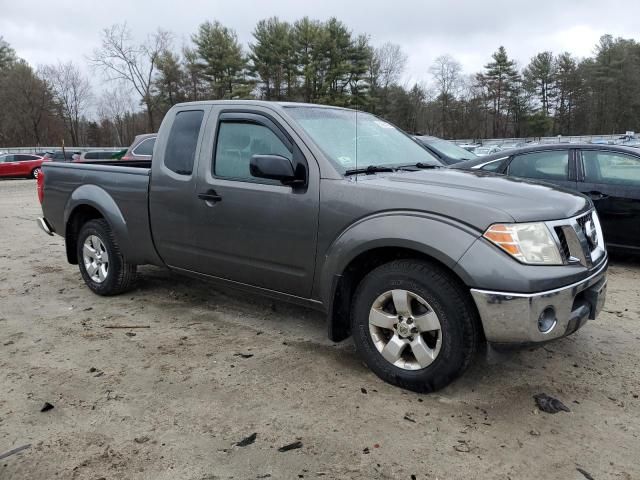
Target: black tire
<point x="120" y="274"/>
<point x="449" y="300"/>
<point x="35" y="172"/>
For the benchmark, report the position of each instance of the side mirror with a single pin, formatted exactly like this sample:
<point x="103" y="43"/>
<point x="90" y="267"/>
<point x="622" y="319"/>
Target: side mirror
<point x="273" y="167"/>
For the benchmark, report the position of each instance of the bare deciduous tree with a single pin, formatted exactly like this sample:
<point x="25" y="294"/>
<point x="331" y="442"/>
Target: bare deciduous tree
<point x="387" y="64"/>
<point x="72" y="94"/>
<point x="115" y="106"/>
<point x="122" y="59"/>
<point x="446" y="73"/>
<point x="390" y="62"/>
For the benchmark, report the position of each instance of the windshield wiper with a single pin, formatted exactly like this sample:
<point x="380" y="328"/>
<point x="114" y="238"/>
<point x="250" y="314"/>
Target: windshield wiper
<point x="418" y="165"/>
<point x="370" y="169"/>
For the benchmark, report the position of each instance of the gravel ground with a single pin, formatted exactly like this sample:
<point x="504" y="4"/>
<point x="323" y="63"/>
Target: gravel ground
<point x="172" y="400"/>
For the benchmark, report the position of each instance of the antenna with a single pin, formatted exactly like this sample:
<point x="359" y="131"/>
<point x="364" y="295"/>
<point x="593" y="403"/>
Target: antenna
<point x="356" y="139"/>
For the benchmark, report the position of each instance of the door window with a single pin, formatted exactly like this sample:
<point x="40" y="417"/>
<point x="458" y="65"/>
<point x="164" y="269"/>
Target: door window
<point x="183" y="141"/>
<point x="25" y="158"/>
<point x="8" y="158"/>
<point x="549" y="165"/>
<point x="611" y="167"/>
<point x="238" y="142"/>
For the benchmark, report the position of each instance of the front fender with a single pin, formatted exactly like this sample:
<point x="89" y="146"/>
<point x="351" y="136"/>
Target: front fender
<point x="98" y="198"/>
<point x="441" y="238"/>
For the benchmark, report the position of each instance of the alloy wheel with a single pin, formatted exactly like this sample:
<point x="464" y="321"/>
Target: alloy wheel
<point x="405" y="329"/>
<point x="96" y="258"/>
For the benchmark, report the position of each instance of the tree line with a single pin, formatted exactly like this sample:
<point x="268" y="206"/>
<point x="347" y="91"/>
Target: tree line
<point x="318" y="62"/>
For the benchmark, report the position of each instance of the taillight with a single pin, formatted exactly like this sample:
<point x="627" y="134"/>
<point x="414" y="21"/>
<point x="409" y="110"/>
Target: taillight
<point x="126" y="158"/>
<point x="40" y="185"/>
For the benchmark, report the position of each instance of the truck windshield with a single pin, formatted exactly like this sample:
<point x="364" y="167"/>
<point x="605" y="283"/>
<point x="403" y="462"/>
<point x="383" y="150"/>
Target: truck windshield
<point x="373" y="142"/>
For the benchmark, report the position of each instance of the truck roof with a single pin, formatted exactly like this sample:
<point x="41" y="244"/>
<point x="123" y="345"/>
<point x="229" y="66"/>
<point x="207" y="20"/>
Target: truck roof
<point x="262" y="103"/>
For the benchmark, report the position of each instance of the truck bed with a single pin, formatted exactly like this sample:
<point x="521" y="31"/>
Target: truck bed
<point x="117" y="163"/>
<point x="119" y="192"/>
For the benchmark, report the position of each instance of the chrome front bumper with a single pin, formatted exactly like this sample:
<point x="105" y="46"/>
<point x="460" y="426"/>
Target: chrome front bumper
<point x="524" y="318"/>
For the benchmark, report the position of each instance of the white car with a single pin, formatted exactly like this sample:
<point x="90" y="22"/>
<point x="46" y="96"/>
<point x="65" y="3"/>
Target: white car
<point x="486" y="150"/>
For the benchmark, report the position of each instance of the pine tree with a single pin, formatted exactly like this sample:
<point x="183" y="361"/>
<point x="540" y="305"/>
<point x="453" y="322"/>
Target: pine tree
<point x="568" y="86"/>
<point x="170" y="81"/>
<point x="272" y="58"/>
<point x="498" y="79"/>
<point x="7" y="55"/>
<point x="221" y="59"/>
<point x="540" y="79"/>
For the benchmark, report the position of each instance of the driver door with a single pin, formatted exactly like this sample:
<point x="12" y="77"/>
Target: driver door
<point x="251" y="230"/>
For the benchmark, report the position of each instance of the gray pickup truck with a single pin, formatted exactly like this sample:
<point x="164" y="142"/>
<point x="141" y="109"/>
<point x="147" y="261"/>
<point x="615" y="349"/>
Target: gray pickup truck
<point x="340" y="211"/>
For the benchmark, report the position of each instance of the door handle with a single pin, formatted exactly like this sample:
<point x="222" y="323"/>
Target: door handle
<point x="596" y="195"/>
<point x="210" y="196"/>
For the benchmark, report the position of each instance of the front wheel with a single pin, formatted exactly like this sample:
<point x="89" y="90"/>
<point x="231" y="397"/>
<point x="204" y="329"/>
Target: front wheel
<point x="102" y="266"/>
<point x="414" y="325"/>
<point x="36" y="172"/>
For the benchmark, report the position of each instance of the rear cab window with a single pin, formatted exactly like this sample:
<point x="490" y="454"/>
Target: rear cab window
<point x="182" y="143"/>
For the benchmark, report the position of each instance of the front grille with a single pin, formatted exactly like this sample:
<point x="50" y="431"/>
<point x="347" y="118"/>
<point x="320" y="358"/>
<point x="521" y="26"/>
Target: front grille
<point x="582" y="222"/>
<point x="579" y="239"/>
<point x="564" y="246"/>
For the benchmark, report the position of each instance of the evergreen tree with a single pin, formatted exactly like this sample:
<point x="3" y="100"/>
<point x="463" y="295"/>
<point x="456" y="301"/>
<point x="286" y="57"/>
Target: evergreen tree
<point x="569" y="87"/>
<point x="221" y="59"/>
<point x="272" y="58"/>
<point x="7" y="55"/>
<point x="308" y="40"/>
<point x="540" y="79"/>
<point x="498" y="79"/>
<point x="170" y="80"/>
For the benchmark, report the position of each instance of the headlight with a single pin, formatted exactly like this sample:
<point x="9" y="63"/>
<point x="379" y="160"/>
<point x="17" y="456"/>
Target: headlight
<point x="530" y="243"/>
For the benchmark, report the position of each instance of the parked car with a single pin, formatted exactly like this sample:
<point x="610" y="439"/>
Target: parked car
<point x="96" y="155"/>
<point x="486" y="150"/>
<point x="117" y="155"/>
<point x="60" y="156"/>
<point x="511" y="145"/>
<point x="340" y="211"/>
<point x="447" y="152"/>
<point x="469" y="146"/>
<point x="609" y="174"/>
<point x="141" y="148"/>
<point x="20" y="165"/>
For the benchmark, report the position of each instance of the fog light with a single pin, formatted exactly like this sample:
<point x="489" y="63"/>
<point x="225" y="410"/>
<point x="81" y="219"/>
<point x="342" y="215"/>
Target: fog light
<point x="547" y="320"/>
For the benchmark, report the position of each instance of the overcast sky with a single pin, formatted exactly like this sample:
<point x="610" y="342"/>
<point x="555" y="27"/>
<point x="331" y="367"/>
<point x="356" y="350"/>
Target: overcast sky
<point x="48" y="31"/>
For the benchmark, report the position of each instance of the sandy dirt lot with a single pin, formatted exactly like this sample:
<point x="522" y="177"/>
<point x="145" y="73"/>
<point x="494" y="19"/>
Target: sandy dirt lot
<point x="172" y="400"/>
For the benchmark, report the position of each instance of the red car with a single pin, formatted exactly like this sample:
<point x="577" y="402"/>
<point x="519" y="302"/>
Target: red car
<point x="21" y="165"/>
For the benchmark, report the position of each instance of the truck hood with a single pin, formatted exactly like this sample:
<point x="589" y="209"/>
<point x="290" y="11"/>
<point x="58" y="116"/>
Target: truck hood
<point x="483" y="198"/>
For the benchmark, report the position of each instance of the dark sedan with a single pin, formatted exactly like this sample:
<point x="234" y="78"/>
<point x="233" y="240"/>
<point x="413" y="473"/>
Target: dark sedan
<point x="609" y="174"/>
<point x="447" y="152"/>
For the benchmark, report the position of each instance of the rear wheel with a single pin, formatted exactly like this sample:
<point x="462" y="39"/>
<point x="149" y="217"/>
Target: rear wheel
<point x="414" y="325"/>
<point x="101" y="264"/>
